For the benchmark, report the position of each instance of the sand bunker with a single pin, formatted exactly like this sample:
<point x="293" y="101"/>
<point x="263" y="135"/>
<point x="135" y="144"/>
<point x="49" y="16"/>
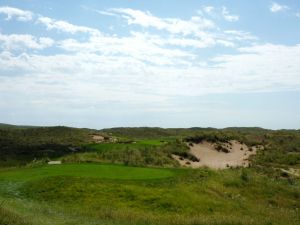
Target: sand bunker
<point x="218" y="156"/>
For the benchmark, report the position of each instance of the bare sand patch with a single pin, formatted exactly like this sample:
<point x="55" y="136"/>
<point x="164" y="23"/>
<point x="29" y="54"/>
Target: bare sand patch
<point x="54" y="162"/>
<point x="218" y="155"/>
<point x="98" y="138"/>
<point x="292" y="171"/>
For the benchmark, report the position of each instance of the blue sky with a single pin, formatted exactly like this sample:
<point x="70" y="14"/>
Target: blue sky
<point x="150" y="63"/>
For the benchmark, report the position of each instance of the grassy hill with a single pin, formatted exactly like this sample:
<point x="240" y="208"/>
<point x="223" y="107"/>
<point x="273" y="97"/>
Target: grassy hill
<point x="109" y="194"/>
<point x="153" y="146"/>
<point x="4" y="125"/>
<point x="20" y="145"/>
<point x="131" y="178"/>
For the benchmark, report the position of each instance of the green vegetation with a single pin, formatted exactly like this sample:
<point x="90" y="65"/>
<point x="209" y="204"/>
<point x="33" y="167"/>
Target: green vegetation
<point x="9" y="218"/>
<point x="140" y="153"/>
<point x="5" y="126"/>
<point x="19" y="145"/>
<point x="124" y="180"/>
<point x="147" y="146"/>
<point x="282" y="149"/>
<point x="86" y="170"/>
<point x="108" y="194"/>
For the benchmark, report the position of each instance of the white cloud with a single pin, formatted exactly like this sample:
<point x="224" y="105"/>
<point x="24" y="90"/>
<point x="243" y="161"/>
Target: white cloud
<point x="138" y="46"/>
<point x="50" y="23"/>
<point x="148" y="47"/>
<point x="24" y="41"/>
<point x="208" y="9"/>
<point x="141" y="70"/>
<point x="258" y="68"/>
<point x="142" y="65"/>
<point x="298" y="14"/>
<point x="263" y="67"/>
<point x="197" y="32"/>
<point x="226" y="43"/>
<point x="229" y="17"/>
<point x="239" y="35"/>
<point x="65" y="26"/>
<point x="71" y="86"/>
<point x="187" y="42"/>
<point x="195" y="25"/>
<point x="19" y="14"/>
<point x="275" y="7"/>
<point x="205" y="33"/>
<point x="106" y="13"/>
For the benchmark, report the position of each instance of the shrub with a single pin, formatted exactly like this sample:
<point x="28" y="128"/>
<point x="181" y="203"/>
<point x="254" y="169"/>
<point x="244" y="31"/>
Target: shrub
<point x="221" y="148"/>
<point x="244" y="175"/>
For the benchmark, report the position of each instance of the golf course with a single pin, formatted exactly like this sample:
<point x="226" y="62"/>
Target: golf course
<point x="133" y="178"/>
<point x="149" y="112"/>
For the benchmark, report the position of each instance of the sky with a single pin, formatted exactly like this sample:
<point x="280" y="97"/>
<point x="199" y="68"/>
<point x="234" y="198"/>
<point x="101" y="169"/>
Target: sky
<point x="116" y="63"/>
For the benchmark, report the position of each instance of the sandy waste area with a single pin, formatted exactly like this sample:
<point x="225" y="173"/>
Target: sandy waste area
<point x="235" y="154"/>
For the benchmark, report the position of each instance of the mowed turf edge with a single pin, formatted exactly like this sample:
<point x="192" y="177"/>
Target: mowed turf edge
<point x="91" y="170"/>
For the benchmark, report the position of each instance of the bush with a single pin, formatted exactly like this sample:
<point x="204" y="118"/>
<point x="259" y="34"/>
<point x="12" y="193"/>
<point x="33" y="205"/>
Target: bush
<point x="221" y="148"/>
<point x="244" y="175"/>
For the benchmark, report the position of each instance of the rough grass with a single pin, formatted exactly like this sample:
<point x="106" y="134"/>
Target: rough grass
<point x="79" y="194"/>
<point x="152" y="152"/>
<point x="9" y="218"/>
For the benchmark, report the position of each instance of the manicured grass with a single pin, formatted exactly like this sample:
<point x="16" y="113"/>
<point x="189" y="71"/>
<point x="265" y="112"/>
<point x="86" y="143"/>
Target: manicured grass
<point x="109" y="194"/>
<point x="135" y="145"/>
<point x="106" y="146"/>
<point x="102" y="171"/>
<point x="153" y="142"/>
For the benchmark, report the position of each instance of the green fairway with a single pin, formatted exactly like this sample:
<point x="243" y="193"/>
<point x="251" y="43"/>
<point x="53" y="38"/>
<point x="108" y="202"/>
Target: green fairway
<point x="153" y="142"/>
<point x="111" y="194"/>
<point x="134" y="145"/>
<point x="87" y="170"/>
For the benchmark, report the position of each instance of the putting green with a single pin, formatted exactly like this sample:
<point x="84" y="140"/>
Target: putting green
<point x="103" y="171"/>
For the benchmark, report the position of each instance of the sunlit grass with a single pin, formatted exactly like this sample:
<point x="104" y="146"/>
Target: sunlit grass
<point x="79" y="194"/>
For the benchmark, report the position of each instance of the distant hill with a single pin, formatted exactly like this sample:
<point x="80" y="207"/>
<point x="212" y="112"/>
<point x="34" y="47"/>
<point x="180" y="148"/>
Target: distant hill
<point x="4" y="125"/>
<point x="157" y="132"/>
<point x="23" y="143"/>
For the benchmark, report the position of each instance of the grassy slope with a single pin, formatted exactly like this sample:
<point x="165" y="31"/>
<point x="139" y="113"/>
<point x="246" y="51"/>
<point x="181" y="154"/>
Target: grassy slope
<point x="151" y="152"/>
<point x="85" y="170"/>
<point x="106" y="194"/>
<point x="282" y="147"/>
<point x="4" y="125"/>
<point x="23" y="145"/>
<point x="18" y="146"/>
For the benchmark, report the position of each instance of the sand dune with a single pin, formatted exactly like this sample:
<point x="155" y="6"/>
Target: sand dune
<point x="237" y="155"/>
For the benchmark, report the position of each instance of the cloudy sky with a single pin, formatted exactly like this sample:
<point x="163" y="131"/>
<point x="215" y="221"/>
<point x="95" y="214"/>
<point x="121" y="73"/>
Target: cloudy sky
<point x="150" y="63"/>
